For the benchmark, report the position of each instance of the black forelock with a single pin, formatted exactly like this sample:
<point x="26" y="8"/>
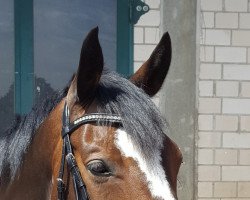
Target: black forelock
<point x="141" y="118"/>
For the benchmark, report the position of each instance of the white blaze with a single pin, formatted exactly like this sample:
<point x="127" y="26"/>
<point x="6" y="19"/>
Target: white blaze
<point x="155" y="175"/>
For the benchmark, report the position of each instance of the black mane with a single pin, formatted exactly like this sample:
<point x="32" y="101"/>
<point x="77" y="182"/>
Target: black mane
<point x="141" y="119"/>
<point x="15" y="141"/>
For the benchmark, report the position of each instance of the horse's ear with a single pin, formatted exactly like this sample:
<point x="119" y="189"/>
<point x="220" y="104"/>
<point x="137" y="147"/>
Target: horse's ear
<point x="150" y="76"/>
<point x="89" y="71"/>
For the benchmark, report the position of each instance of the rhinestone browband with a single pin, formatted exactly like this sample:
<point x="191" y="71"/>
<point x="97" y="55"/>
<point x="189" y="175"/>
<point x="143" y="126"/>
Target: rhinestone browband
<point x="98" y="117"/>
<point x="95" y="117"/>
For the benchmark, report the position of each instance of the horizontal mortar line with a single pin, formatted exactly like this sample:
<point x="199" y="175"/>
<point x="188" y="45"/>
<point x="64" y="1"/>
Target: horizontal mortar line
<point x="146" y="43"/>
<point x="147" y="26"/>
<point x="234" y="97"/>
<point x="221" y="96"/>
<point x="233" y="115"/>
<point x="222" y="165"/>
<point x="230" y="63"/>
<point x="225" y="63"/>
<point x="226" y="29"/>
<point x="233" y="80"/>
<point x="222" y="148"/>
<point x="214" y="45"/>
<point x="228" y="198"/>
<point x="237" y="132"/>
<point x="237" y="81"/>
<point x="244" y="115"/>
<point x="208" y="62"/>
<point x="223" y="45"/>
<point x="211" y="113"/>
<point x="209" y="79"/>
<point x="232" y="12"/>
<point x="243" y="98"/>
<point x="218" y="45"/>
<point x="224" y="131"/>
<point x="224" y="11"/>
<point x="244" y="131"/>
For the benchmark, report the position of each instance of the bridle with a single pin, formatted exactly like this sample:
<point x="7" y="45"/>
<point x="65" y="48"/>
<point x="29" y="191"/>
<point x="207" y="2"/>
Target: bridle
<point x="67" y="153"/>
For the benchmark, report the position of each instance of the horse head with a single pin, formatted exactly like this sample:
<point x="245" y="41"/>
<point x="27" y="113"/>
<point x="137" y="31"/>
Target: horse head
<point x="130" y="161"/>
<point x="122" y="154"/>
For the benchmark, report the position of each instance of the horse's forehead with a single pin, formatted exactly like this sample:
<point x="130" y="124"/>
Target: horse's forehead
<point x="96" y="134"/>
<point x="154" y="172"/>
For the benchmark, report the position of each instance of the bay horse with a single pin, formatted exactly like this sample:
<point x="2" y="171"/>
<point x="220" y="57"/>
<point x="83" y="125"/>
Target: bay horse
<point x="100" y="138"/>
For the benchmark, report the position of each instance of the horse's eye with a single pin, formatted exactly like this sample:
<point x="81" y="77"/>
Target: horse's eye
<point x="98" y="168"/>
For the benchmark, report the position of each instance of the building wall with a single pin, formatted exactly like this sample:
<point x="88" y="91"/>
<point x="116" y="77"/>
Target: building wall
<point x="222" y="146"/>
<point x="224" y="100"/>
<point x="146" y="33"/>
<point x="147" y="36"/>
<point x="178" y="95"/>
<point x="177" y="98"/>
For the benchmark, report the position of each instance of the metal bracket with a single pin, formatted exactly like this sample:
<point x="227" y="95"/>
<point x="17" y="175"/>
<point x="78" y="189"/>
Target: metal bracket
<point x="138" y="8"/>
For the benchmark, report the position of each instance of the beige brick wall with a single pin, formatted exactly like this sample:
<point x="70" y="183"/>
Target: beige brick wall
<point x="223" y="135"/>
<point x="147" y="35"/>
<point x="224" y="100"/>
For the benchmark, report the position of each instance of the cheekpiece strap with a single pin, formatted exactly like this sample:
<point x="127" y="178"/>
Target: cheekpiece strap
<point x="67" y="153"/>
<point x="65" y="121"/>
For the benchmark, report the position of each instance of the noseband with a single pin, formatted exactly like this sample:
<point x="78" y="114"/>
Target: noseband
<point x="67" y="153"/>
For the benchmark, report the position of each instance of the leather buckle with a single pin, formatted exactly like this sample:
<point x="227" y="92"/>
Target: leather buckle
<point x="60" y="185"/>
